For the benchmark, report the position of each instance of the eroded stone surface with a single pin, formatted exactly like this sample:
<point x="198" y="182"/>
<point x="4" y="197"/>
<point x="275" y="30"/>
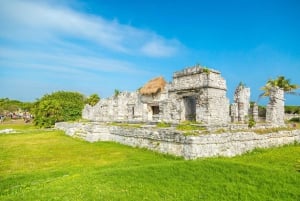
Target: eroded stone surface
<point x="275" y="108"/>
<point x="195" y="93"/>
<point x="173" y="142"/>
<point x="240" y="107"/>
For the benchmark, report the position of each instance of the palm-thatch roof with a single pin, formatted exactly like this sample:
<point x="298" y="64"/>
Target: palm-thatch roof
<point x="153" y="86"/>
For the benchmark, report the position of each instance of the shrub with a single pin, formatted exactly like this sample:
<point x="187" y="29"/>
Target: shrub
<point x="251" y="122"/>
<point x="289" y="109"/>
<point x="7" y="105"/>
<point x="58" y="106"/>
<point x="92" y="99"/>
<point x="295" y="119"/>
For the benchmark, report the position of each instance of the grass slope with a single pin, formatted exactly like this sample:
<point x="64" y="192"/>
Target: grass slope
<point x="47" y="165"/>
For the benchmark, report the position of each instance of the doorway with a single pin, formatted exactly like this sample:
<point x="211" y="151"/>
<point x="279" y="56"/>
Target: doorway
<point x="190" y="108"/>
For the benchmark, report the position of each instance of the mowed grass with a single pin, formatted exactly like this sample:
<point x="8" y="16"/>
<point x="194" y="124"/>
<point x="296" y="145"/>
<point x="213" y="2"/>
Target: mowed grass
<point x="38" y="164"/>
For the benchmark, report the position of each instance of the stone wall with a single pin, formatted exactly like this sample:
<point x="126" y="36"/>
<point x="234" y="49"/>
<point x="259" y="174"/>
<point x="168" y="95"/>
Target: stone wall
<point x="126" y="106"/>
<point x="290" y="116"/>
<point x="173" y="142"/>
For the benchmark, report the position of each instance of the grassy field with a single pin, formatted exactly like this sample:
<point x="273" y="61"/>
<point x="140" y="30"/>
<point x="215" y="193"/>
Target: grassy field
<point x="38" y="164"/>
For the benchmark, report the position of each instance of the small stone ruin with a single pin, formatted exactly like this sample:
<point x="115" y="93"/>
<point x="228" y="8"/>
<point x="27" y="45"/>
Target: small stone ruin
<point x="194" y="94"/>
<point x="240" y="108"/>
<point x="275" y="108"/>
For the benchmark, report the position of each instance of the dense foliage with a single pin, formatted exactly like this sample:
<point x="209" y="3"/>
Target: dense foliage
<point x="281" y="82"/>
<point x="92" y="99"/>
<point x="295" y="119"/>
<point x="7" y="105"/>
<point x="292" y="109"/>
<point x="58" y="106"/>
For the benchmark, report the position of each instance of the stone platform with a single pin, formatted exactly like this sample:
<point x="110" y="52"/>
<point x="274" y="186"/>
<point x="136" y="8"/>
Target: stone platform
<point x="171" y="141"/>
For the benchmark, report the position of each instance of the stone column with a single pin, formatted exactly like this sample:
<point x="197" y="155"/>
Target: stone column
<point x="242" y="100"/>
<point x="275" y="108"/>
<point x="255" y="112"/>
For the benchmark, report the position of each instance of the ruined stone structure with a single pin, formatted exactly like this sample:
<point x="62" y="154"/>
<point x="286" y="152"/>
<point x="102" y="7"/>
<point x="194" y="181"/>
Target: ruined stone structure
<point x="275" y="108"/>
<point x="171" y="141"/>
<point x="201" y="94"/>
<point x="239" y="110"/>
<point x="195" y="93"/>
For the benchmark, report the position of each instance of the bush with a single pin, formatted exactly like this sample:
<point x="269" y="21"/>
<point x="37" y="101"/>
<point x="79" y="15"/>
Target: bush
<point x="92" y="99"/>
<point x="295" y="119"/>
<point x="58" y="106"/>
<point x="289" y="109"/>
<point x="251" y="122"/>
<point x="7" y="105"/>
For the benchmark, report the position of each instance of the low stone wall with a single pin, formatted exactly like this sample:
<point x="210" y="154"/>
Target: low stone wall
<point x="171" y="141"/>
<point x="290" y="116"/>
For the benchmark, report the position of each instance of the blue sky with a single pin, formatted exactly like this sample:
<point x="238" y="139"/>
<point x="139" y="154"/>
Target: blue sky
<point x="98" y="46"/>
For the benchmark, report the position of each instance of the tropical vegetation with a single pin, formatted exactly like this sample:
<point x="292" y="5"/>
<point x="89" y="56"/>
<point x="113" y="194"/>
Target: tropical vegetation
<point x="282" y="83"/>
<point x="58" y="106"/>
<point x="8" y="105"/>
<point x="92" y="99"/>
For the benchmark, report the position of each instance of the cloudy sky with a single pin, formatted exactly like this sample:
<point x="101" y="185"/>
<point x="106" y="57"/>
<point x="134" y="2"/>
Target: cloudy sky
<point x="96" y="46"/>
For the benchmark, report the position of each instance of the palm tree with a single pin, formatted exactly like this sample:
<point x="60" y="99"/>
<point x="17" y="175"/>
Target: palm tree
<point x="282" y="83"/>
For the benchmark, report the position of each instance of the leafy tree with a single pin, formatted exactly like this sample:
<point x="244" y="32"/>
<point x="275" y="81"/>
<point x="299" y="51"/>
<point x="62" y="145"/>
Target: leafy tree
<point x="292" y="109"/>
<point x="92" y="99"/>
<point x="7" y="105"/>
<point x="47" y="113"/>
<point x="58" y="106"/>
<point x="282" y="83"/>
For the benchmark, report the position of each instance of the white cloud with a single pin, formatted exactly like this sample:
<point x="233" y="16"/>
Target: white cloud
<point x="45" y="46"/>
<point x="36" y="21"/>
<point x="64" y="63"/>
<point x="159" y="48"/>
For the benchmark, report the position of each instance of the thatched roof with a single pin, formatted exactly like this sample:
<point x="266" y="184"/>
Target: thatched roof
<point x="153" y="86"/>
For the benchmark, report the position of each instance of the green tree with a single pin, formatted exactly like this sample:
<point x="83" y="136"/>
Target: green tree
<point x="282" y="83"/>
<point x="58" y="106"/>
<point x="92" y="99"/>
<point x="47" y="113"/>
<point x="7" y="105"/>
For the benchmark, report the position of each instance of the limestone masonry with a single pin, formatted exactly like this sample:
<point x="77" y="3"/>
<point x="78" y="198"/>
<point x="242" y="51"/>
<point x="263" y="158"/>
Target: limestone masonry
<point x="195" y="94"/>
<point x="171" y="141"/>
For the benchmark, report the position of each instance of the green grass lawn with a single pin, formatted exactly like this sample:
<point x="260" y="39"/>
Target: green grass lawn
<point x="38" y="164"/>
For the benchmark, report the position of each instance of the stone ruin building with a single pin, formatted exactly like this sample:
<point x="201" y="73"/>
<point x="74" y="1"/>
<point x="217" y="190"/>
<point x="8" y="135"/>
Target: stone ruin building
<point x="194" y="94"/>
